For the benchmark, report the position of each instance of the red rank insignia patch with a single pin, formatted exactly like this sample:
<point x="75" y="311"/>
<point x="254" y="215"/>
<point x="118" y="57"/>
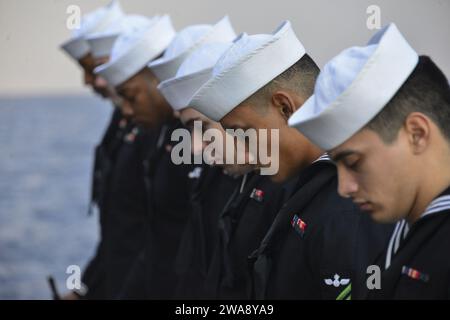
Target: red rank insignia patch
<point x="257" y="194"/>
<point x="299" y="225"/>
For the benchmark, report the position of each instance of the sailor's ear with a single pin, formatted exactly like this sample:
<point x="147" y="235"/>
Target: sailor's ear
<point x="418" y="127"/>
<point x="284" y="103"/>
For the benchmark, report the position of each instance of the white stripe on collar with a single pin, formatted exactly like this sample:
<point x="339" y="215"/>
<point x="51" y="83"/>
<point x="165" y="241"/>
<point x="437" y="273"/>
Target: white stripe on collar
<point x="437" y="205"/>
<point x="243" y="182"/>
<point x="323" y="157"/>
<point x="399" y="234"/>
<point x="391" y="245"/>
<point x="401" y="228"/>
<point x="405" y="230"/>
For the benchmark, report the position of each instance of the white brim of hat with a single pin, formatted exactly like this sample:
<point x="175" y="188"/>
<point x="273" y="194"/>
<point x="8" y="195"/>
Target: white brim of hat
<point x="164" y="68"/>
<point x="136" y="58"/>
<point x="381" y="77"/>
<point x="76" y="47"/>
<point x="101" y="45"/>
<point x="179" y="91"/>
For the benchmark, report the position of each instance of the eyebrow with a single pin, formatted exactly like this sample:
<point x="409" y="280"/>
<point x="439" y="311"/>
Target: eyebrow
<point x="341" y="155"/>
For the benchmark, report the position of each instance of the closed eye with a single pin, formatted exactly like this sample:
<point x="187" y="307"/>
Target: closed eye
<point x="352" y="164"/>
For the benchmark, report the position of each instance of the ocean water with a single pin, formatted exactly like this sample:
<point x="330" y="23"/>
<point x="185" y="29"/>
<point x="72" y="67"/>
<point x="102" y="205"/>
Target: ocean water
<point x="46" y="157"/>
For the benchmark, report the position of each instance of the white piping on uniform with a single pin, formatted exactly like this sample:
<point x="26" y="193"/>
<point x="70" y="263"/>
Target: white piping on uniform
<point x="391" y="244"/>
<point x="405" y="230"/>
<point x="402" y="228"/>
<point x="323" y="157"/>
<point x="437" y="205"/>
<point x="244" y="180"/>
<point x="399" y="236"/>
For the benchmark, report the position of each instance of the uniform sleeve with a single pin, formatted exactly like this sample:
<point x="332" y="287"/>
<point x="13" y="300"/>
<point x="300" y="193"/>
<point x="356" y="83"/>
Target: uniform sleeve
<point x="313" y="254"/>
<point x="134" y="284"/>
<point x="93" y="278"/>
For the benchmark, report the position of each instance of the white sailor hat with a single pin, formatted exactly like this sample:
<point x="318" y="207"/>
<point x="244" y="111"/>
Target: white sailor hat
<point x="354" y="87"/>
<point x="186" y="41"/>
<point x="192" y="74"/>
<point x="248" y="65"/>
<point x="97" y="21"/>
<point x="101" y="43"/>
<point x="133" y="50"/>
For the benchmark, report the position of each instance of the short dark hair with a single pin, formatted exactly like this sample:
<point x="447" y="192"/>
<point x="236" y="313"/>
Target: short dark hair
<point x="427" y="91"/>
<point x="299" y="78"/>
